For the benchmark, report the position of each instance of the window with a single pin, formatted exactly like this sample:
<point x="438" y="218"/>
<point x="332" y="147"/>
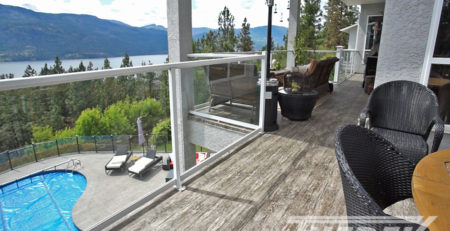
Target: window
<point x="436" y="73"/>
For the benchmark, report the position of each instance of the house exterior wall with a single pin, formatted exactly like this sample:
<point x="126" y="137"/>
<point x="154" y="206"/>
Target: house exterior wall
<point x="406" y="26"/>
<point x="366" y="10"/>
<point x="352" y="39"/>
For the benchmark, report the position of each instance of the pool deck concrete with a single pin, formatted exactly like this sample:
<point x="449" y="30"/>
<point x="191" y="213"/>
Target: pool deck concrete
<point x="104" y="194"/>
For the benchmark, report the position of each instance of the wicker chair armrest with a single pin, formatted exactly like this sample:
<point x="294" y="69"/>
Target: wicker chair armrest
<point x="363" y="117"/>
<point x="438" y="133"/>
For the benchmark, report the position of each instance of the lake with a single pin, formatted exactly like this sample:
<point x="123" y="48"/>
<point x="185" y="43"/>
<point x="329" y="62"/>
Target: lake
<point x="18" y="68"/>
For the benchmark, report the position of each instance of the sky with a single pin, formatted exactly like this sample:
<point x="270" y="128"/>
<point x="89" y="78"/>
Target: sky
<point x="144" y="12"/>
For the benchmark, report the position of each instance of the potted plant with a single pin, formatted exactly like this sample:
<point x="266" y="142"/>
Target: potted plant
<point x="298" y="101"/>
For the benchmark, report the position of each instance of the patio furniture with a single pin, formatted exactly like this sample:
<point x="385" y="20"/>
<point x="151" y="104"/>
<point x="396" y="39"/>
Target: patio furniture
<point x="404" y="112"/>
<point x="374" y="176"/>
<point x="444" y="102"/>
<point x="231" y="83"/>
<point x="313" y="76"/>
<point x="298" y="106"/>
<point x="431" y="188"/>
<point x="119" y="160"/>
<point x="144" y="164"/>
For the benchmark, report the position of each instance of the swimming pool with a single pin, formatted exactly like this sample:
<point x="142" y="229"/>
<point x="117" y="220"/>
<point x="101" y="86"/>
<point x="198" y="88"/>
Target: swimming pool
<point x="43" y="201"/>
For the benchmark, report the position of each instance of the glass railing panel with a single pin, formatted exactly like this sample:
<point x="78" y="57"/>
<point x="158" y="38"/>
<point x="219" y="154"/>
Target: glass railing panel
<point x="46" y="149"/>
<point x="87" y="143"/>
<point x="21" y="156"/>
<point x="50" y="117"/>
<point x="4" y="162"/>
<point x="229" y="91"/>
<point x="279" y="59"/>
<point x="67" y="145"/>
<point x="104" y="143"/>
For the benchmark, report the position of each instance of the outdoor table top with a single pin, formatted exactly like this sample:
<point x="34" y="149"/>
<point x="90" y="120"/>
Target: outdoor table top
<point x="431" y="188"/>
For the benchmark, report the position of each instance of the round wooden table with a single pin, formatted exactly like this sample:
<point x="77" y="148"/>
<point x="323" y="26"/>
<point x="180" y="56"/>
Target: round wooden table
<point x="431" y="188"/>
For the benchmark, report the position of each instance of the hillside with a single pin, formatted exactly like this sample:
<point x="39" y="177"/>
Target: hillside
<point x="29" y="35"/>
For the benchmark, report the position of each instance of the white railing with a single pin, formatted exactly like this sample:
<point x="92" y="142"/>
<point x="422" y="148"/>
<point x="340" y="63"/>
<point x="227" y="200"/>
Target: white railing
<point x="347" y="64"/>
<point x="175" y="92"/>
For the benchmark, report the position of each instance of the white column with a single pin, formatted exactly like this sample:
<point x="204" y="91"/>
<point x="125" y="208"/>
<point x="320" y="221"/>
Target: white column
<point x="179" y="33"/>
<point x="336" y="65"/>
<point x="292" y="32"/>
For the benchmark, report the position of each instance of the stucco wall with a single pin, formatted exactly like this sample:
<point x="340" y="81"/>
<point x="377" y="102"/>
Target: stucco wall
<point x="404" y="38"/>
<point x="366" y="10"/>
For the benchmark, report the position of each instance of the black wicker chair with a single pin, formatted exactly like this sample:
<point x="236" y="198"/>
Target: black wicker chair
<point x="374" y="176"/>
<point x="404" y="112"/>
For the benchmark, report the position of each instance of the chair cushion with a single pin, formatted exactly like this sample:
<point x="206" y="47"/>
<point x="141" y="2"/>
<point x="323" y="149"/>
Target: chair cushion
<point x="140" y="165"/>
<point x="116" y="161"/>
<point x="414" y="147"/>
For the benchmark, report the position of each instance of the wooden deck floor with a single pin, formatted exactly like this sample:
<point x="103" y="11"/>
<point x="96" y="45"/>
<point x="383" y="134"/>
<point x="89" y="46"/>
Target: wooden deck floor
<point x="290" y="172"/>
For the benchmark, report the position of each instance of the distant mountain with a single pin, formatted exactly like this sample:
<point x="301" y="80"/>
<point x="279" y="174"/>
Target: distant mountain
<point x="155" y="27"/>
<point x="29" y="35"/>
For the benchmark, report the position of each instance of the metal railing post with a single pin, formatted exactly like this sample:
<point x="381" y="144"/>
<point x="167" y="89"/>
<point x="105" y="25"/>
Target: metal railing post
<point x="57" y="147"/>
<point x="95" y="144"/>
<point x="146" y="140"/>
<point x="112" y="143"/>
<point x="337" y="64"/>
<point x="262" y="98"/>
<point x="34" y="151"/>
<point x="9" y="159"/>
<point x="78" y="145"/>
<point x="165" y="143"/>
<point x="129" y="142"/>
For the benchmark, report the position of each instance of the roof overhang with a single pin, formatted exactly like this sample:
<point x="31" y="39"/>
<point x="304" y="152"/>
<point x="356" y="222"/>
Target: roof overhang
<point x="349" y="28"/>
<point x="362" y="2"/>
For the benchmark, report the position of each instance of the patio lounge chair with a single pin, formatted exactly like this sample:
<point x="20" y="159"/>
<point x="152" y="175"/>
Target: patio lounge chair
<point x="374" y="176"/>
<point x="144" y="164"/>
<point x="404" y="112"/>
<point x="119" y="160"/>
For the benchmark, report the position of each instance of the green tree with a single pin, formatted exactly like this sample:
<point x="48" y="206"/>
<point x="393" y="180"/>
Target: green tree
<point x="226" y="37"/>
<point x="42" y="133"/>
<point x="106" y="64"/>
<point x="90" y="66"/>
<point x="115" y="119"/>
<point x="45" y="70"/>
<point x="309" y="26"/>
<point x="164" y="92"/>
<point x="57" y="67"/>
<point x="208" y="42"/>
<point x="161" y="132"/>
<point x="65" y="133"/>
<point x="150" y="111"/>
<point x="338" y="16"/>
<point x="29" y="72"/>
<point x="90" y="123"/>
<point x="7" y="76"/>
<point x="245" y="41"/>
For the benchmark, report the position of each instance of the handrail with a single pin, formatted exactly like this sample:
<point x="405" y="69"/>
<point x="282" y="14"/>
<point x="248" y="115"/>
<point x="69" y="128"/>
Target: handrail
<point x="75" y="164"/>
<point x="49" y="80"/>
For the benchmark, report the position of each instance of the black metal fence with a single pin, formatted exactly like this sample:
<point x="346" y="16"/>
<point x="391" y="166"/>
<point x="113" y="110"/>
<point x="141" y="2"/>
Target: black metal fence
<point x="33" y="153"/>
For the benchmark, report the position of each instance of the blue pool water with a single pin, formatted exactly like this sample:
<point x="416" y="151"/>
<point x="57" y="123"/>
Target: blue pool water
<point x="41" y="202"/>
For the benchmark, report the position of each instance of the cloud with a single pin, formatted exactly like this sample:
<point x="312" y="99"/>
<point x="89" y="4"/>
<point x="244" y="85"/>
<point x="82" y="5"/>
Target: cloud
<point x="106" y="2"/>
<point x="29" y="6"/>
<point x="144" y="12"/>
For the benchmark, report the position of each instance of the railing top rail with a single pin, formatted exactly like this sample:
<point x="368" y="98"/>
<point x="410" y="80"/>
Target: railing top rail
<point x="222" y="55"/>
<point x="49" y="80"/>
<point x="321" y="51"/>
